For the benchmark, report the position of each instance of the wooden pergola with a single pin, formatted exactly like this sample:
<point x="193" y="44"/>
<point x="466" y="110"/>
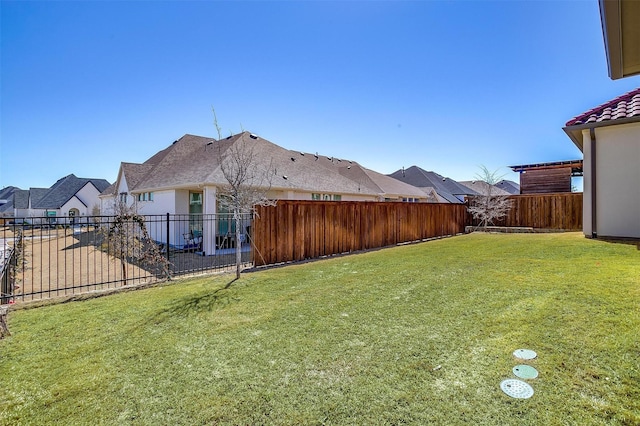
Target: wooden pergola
<point x="545" y="178"/>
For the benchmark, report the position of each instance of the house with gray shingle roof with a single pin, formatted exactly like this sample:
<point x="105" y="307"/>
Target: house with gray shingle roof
<point x="448" y="190"/>
<point x="609" y="138"/>
<point x="184" y="178"/>
<point x="509" y="186"/>
<point x="483" y="188"/>
<point x="70" y="196"/>
<point x="6" y="201"/>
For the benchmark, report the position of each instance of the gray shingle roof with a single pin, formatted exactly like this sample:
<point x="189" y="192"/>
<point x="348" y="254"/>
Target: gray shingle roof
<point x="7" y="192"/>
<point x="509" y="186"/>
<point x="445" y="187"/>
<point x="62" y="191"/>
<point x="194" y="160"/>
<point x="482" y="187"/>
<point x="7" y="195"/>
<point x="21" y="197"/>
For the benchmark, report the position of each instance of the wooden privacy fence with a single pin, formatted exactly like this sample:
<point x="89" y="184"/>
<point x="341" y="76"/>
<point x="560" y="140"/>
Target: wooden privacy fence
<point x="562" y="211"/>
<point x="298" y="230"/>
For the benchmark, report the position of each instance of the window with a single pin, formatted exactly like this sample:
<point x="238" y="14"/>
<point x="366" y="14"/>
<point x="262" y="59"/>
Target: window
<point x="326" y="197"/>
<point x="195" y="198"/>
<point x="145" y="196"/>
<point x="123" y="197"/>
<point x="195" y="212"/>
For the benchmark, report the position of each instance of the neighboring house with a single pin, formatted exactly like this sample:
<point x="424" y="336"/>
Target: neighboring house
<point x="609" y="137"/>
<point x="6" y="201"/>
<point x="447" y="190"/>
<point x="22" y="200"/>
<point x="509" y="186"/>
<point x="483" y="188"/>
<point x="185" y="178"/>
<point x="69" y="198"/>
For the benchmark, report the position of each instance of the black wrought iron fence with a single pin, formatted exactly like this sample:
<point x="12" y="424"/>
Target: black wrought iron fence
<point x="7" y="260"/>
<point x="71" y="255"/>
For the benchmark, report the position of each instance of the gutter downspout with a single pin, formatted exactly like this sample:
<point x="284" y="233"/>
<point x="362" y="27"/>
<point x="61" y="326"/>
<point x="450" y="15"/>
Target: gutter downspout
<point x="594" y="219"/>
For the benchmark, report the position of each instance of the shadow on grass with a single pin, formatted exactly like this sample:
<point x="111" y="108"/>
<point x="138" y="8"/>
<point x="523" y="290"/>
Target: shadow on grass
<point x="195" y="304"/>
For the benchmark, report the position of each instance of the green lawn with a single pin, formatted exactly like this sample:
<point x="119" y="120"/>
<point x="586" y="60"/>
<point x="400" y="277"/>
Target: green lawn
<point x="416" y="334"/>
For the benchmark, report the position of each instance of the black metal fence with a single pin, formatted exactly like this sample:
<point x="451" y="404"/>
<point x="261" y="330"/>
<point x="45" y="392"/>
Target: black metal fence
<point x="7" y="261"/>
<point x="74" y="255"/>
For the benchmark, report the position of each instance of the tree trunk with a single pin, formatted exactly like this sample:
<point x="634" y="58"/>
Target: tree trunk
<point x="238" y="245"/>
<point x="4" y="329"/>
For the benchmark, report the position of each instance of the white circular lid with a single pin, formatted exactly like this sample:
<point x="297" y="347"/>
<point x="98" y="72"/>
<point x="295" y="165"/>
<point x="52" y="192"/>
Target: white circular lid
<point x="524" y="354"/>
<point x="516" y="388"/>
<point x="525" y="371"/>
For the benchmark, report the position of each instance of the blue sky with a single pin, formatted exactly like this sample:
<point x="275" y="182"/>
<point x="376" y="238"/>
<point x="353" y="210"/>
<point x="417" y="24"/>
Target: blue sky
<point x="444" y="85"/>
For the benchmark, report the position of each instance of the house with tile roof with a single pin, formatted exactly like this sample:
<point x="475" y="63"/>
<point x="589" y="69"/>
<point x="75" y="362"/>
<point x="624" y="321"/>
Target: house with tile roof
<point x="609" y="138"/>
<point x="70" y="197"/>
<point x="447" y="190"/>
<point x="185" y="178"/>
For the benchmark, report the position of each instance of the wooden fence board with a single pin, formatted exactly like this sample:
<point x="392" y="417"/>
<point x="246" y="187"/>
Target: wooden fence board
<point x="298" y="230"/>
<point x="562" y="211"/>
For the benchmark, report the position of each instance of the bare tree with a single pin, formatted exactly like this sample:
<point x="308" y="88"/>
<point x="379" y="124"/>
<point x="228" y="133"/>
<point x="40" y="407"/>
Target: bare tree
<point x="488" y="206"/>
<point x="126" y="239"/>
<point x="247" y="183"/>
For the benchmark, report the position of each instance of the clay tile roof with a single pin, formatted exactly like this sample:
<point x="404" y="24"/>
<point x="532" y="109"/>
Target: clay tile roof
<point x="625" y="106"/>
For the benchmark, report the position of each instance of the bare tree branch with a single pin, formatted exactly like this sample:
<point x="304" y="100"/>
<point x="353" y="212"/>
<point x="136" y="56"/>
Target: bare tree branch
<point x="489" y="207"/>
<point x="248" y="182"/>
<point x="127" y="238"/>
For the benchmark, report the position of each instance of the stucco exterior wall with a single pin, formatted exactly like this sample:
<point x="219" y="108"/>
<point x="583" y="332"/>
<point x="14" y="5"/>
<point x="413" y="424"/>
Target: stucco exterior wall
<point x="163" y="203"/>
<point x="74" y="203"/>
<point x="88" y="194"/>
<point x="617" y="181"/>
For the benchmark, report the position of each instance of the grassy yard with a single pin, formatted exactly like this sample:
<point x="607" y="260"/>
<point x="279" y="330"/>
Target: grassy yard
<point x="416" y="334"/>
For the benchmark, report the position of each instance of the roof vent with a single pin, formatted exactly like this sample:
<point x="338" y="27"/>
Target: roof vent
<point x="285" y="177"/>
<point x="175" y="142"/>
<point x="252" y="136"/>
<point x="302" y="153"/>
<point x="293" y="159"/>
<point x="229" y="137"/>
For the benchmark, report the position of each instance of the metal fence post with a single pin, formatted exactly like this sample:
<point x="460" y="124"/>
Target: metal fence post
<point x="168" y="219"/>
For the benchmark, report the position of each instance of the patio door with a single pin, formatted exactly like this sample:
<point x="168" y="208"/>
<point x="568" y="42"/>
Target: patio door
<point x="195" y="213"/>
<point x="226" y="225"/>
